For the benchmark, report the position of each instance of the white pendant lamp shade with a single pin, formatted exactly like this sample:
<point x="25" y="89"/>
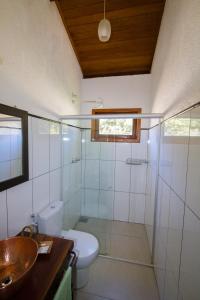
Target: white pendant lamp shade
<point x="104" y="28"/>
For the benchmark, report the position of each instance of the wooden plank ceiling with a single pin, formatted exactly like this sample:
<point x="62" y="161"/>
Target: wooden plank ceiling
<point x="135" y="26"/>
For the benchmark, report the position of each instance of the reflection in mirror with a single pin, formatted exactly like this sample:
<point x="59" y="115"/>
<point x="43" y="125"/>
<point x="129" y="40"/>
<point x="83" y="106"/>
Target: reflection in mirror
<point x="10" y="147"/>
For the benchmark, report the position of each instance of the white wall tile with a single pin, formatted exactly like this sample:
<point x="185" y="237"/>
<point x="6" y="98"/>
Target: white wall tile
<point x="166" y="155"/>
<point x="5" y="145"/>
<point x="3" y="216"/>
<point x="193" y="176"/>
<point x="137" y="208"/>
<point x="138" y="178"/>
<point x="76" y="143"/>
<point x="15" y="144"/>
<point x="74" y="208"/>
<point x="40" y="130"/>
<point x="122" y="177"/>
<point x="180" y="154"/>
<point x="65" y="182"/>
<point x="66" y="216"/>
<point x="92" y="174"/>
<point x="5" y="170"/>
<point x="139" y="150"/>
<point x="107" y="171"/>
<point x="83" y="144"/>
<point x="152" y="157"/>
<point x="78" y="176"/>
<point x="19" y="201"/>
<point x="121" y="206"/>
<point x="41" y="197"/>
<point x="106" y="204"/>
<point x="66" y="145"/>
<point x="107" y="151"/>
<point x="179" y="167"/>
<point x="92" y="148"/>
<point x="190" y="266"/>
<point x="55" y="185"/>
<point x="55" y="145"/>
<point x="123" y="151"/>
<point x="91" y="206"/>
<point x="161" y="234"/>
<point x="174" y="152"/>
<point x="16" y="167"/>
<point x="174" y="240"/>
<point x="73" y="177"/>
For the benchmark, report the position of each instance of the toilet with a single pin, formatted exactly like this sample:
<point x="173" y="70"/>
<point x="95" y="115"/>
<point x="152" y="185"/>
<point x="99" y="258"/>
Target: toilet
<point x="50" y="221"/>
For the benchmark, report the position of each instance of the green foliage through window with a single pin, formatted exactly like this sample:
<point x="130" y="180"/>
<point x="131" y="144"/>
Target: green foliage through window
<point x="116" y="126"/>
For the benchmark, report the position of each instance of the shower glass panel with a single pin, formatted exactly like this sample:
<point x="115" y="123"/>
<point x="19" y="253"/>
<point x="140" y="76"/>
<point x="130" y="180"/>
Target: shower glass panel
<point x="106" y="187"/>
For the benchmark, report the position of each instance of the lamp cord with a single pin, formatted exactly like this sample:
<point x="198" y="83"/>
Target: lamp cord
<point x="104" y="9"/>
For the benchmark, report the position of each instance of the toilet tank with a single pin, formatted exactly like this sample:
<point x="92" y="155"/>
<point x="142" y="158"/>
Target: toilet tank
<point x="50" y="220"/>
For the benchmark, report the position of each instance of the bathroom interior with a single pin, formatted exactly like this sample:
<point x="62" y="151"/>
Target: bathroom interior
<point x="99" y="150"/>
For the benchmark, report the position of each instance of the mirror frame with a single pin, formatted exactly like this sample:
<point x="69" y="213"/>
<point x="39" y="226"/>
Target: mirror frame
<point x="12" y="111"/>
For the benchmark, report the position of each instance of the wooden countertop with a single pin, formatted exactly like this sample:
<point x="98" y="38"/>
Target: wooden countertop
<point x="44" y="271"/>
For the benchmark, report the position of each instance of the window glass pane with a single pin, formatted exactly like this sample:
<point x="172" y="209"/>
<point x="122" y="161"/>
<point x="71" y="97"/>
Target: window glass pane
<point x="116" y="126"/>
<point x="177" y="127"/>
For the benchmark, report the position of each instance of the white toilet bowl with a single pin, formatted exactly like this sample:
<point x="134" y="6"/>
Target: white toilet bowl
<point x="85" y="245"/>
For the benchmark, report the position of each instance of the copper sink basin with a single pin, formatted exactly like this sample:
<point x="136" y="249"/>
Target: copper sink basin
<point x="17" y="256"/>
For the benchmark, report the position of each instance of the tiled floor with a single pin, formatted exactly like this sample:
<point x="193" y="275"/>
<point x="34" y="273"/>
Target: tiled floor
<point x="118" y="239"/>
<point x="114" y="280"/>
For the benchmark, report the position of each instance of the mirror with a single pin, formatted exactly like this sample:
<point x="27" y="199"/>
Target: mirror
<point x="13" y="146"/>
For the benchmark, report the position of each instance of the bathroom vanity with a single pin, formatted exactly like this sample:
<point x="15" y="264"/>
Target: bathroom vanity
<point x="47" y="273"/>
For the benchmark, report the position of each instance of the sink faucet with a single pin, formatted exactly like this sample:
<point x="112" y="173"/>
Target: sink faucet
<point x="31" y="229"/>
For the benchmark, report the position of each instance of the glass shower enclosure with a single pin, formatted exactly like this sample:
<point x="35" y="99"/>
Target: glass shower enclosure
<point x="109" y="188"/>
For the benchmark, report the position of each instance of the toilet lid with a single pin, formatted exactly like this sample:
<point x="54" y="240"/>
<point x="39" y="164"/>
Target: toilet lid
<point x="85" y="243"/>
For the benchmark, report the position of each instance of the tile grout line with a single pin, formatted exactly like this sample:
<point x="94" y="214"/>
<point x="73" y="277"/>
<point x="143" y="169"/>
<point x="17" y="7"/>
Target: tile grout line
<point x="129" y="193"/>
<point x="184" y="202"/>
<point x="184" y="212"/>
<point x="115" y="155"/>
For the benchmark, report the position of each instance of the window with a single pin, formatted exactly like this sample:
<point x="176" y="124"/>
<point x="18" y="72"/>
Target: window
<point x="116" y="130"/>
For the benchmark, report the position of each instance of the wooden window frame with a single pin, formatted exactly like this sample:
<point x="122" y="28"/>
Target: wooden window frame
<point x="134" y="138"/>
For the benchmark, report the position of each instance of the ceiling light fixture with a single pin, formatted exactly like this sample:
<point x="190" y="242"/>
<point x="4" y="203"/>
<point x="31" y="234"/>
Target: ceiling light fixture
<point x="104" y="28"/>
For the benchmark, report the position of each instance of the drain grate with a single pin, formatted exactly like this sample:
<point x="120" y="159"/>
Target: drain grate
<point x="83" y="219"/>
<point x="5" y="282"/>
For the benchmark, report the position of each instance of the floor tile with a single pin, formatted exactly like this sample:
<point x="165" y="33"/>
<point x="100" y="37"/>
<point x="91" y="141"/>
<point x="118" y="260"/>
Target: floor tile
<point x="121" y="281"/>
<point x="119" y="239"/>
<point x="129" y="229"/>
<point x="133" y="248"/>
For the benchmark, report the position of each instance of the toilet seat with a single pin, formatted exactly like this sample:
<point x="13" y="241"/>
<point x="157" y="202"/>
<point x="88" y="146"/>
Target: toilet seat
<point x="85" y="244"/>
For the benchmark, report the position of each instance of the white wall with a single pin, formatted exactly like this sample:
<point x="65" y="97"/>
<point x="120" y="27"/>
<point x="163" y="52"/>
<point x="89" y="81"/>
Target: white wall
<point x="117" y="92"/>
<point x="44" y="185"/>
<point x="177" y="240"/>
<point x="176" y="64"/>
<point x="38" y="73"/>
<point x="38" y="68"/>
